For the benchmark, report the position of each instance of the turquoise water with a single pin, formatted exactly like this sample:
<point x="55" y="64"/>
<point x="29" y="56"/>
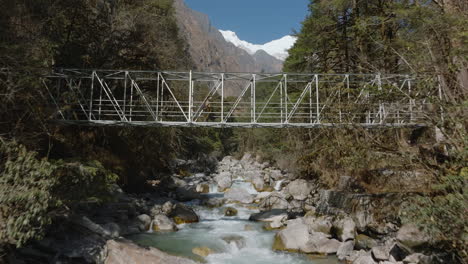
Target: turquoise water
<point x="211" y="230"/>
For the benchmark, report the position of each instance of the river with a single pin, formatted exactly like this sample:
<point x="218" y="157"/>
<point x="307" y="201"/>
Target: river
<point x="235" y="240"/>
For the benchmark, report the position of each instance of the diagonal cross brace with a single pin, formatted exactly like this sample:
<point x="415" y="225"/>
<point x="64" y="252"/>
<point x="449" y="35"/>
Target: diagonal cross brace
<point x="239" y="98"/>
<point x="201" y="108"/>
<point x="111" y="97"/>
<point x="137" y="88"/>
<point x="299" y="100"/>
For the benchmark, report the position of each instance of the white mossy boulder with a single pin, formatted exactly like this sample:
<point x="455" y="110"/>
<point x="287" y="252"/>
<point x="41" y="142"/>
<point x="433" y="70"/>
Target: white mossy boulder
<point x="163" y="223"/>
<point x="299" y="189"/>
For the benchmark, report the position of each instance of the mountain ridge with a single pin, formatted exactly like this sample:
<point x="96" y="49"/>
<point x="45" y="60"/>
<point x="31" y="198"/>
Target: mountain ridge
<point x="277" y="48"/>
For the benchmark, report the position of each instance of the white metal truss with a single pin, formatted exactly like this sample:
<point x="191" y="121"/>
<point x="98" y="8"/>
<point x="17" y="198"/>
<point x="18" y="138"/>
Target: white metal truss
<point x="205" y="99"/>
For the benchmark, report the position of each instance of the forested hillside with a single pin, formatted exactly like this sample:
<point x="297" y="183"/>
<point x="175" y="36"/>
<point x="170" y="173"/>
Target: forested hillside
<point x="423" y="38"/>
<point x="46" y="169"/>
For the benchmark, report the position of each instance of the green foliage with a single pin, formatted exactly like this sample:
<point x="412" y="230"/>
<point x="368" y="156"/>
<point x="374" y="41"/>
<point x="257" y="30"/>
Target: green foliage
<point x="33" y="191"/>
<point x="443" y="216"/>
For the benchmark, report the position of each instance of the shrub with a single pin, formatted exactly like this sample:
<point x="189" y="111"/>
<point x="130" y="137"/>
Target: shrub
<point x="33" y="191"/>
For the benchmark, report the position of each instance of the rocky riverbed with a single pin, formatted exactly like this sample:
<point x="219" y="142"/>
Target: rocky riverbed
<point x="242" y="212"/>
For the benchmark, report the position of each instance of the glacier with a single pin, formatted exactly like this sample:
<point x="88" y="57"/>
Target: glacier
<point x="277" y="48"/>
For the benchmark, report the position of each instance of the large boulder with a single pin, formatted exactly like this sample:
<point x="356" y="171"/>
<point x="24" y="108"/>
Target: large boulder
<point x="320" y="224"/>
<point x="144" y="222"/>
<point x="224" y="181"/>
<point x="319" y="243"/>
<point x="345" y="250"/>
<point x="268" y="216"/>
<point x="411" y="237"/>
<point x="275" y="200"/>
<point x="294" y="237"/>
<point x="183" y="214"/>
<point x="238" y="194"/>
<point x="364" y="242"/>
<point x="258" y="182"/>
<point x="299" y="189"/>
<point x="163" y="223"/>
<point x="277" y="222"/>
<point x="381" y="253"/>
<point x="276" y="174"/>
<point x="187" y="193"/>
<point x="203" y="188"/>
<point x="345" y="229"/>
<point x="125" y="252"/>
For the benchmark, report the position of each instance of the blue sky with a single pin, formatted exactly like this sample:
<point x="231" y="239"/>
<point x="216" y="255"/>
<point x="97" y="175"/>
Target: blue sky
<point x="256" y="21"/>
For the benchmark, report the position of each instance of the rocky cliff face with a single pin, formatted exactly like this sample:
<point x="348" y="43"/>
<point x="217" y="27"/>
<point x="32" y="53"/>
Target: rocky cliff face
<point x="211" y="52"/>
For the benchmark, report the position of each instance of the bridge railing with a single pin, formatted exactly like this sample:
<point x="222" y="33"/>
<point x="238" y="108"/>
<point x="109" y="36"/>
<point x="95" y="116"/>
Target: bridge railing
<point x="147" y="98"/>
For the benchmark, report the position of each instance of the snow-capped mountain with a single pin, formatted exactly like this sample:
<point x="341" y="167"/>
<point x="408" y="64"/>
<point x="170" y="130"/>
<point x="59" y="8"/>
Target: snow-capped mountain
<point x="276" y="48"/>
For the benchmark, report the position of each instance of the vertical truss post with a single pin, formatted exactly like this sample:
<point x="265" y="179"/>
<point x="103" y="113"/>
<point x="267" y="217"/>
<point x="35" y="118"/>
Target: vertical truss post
<point x="311" y="115"/>
<point x="131" y="102"/>
<point x="157" y="98"/>
<point x="379" y="84"/>
<point x="162" y="97"/>
<point x="222" y="97"/>
<point x="410" y="99"/>
<point x="190" y="118"/>
<point x="317" y="97"/>
<point x="441" y="97"/>
<point x="125" y="93"/>
<point x="100" y="98"/>
<point x="286" y="98"/>
<point x="91" y="98"/>
<point x="252" y="99"/>
<point x="281" y="100"/>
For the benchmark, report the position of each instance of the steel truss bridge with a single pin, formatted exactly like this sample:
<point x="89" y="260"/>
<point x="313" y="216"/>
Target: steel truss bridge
<point x="205" y="99"/>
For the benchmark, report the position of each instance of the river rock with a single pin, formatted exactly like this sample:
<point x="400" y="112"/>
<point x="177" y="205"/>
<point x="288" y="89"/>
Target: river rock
<point x="320" y="224"/>
<point x="125" y="252"/>
<point x="238" y="241"/>
<point x="230" y="211"/>
<point x="238" y="194"/>
<point x="202" y="251"/>
<point x="268" y="216"/>
<point x="224" y="181"/>
<point x="276" y="174"/>
<point x="417" y="258"/>
<point x="411" y="237"/>
<point x="145" y="221"/>
<point x="293" y="237"/>
<point x="163" y="223"/>
<point x="187" y="193"/>
<point x="113" y="229"/>
<point x="345" y="250"/>
<point x="277" y="222"/>
<point x="203" y="188"/>
<point x="183" y="214"/>
<point x="214" y="202"/>
<point x="364" y="242"/>
<point x="319" y="243"/>
<point x="381" y="253"/>
<point x="258" y="182"/>
<point x="167" y="207"/>
<point x="275" y="200"/>
<point x="367" y="259"/>
<point x="345" y="229"/>
<point x="299" y="189"/>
